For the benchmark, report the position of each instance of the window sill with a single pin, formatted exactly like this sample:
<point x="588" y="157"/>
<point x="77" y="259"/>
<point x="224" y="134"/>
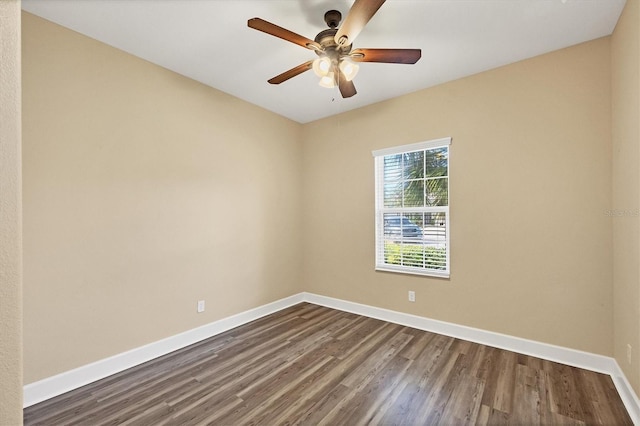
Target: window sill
<point x="412" y="271"/>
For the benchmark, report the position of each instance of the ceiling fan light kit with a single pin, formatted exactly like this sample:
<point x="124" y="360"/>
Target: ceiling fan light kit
<point x="336" y="62"/>
<point x="324" y="68"/>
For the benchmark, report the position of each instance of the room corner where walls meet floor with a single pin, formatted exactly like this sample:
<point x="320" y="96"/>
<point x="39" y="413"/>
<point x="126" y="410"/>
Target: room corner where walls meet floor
<point x="61" y="383"/>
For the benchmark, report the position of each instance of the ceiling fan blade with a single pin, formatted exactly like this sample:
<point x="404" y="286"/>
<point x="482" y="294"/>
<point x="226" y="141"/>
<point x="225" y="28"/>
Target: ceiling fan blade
<point x="274" y="30"/>
<point x="361" y="12"/>
<point x="291" y="73"/>
<point x="390" y="56"/>
<point x="347" y="88"/>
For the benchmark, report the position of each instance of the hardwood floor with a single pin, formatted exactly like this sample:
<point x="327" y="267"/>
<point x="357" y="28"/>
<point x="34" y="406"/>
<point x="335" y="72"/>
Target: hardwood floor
<point x="312" y="365"/>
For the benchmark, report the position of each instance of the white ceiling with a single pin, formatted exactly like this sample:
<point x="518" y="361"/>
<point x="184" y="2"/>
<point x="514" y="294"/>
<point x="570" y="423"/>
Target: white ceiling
<point x="209" y="41"/>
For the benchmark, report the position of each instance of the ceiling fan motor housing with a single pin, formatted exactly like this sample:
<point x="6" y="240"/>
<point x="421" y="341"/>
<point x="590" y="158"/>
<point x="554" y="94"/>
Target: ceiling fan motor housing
<point x="330" y="48"/>
<point x="333" y="18"/>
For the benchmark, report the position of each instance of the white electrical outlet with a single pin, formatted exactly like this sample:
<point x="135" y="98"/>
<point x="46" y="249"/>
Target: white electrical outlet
<point x="629" y="354"/>
<point x="412" y="296"/>
<point x="200" y="305"/>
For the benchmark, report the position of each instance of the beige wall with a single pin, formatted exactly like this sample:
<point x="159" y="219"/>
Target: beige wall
<point x="144" y="193"/>
<point x="625" y="59"/>
<point x="530" y="185"/>
<point x="10" y="217"/>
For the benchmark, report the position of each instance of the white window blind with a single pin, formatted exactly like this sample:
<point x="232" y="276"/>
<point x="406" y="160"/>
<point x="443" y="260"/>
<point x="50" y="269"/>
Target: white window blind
<point x="412" y="208"/>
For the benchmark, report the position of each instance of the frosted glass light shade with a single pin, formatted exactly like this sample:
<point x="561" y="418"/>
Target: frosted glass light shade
<point x="322" y="66"/>
<point x="328" y="80"/>
<point x="349" y="69"/>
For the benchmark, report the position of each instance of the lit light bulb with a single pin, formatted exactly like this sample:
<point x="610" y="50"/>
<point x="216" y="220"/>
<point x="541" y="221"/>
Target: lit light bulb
<point x="322" y="66"/>
<point x="349" y="69"/>
<point x="328" y="80"/>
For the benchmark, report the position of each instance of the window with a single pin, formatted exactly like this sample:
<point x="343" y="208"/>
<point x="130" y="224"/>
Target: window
<point x="412" y="208"/>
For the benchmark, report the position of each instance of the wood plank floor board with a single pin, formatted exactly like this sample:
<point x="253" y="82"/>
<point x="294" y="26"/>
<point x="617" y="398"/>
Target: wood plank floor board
<point x="288" y="404"/>
<point x="421" y="381"/>
<point x="370" y="399"/>
<point x="464" y="403"/>
<point x="312" y="365"/>
<point x="359" y="379"/>
<point x="315" y="414"/>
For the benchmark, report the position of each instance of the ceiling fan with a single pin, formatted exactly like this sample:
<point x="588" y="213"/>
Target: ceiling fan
<point x="336" y="64"/>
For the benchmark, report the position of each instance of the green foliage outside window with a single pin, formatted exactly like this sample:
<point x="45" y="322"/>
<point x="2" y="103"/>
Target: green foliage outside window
<point x="417" y="255"/>
<point x="416" y="179"/>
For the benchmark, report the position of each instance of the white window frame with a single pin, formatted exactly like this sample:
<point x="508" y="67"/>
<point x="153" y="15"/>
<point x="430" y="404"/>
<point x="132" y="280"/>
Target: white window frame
<point x="380" y="210"/>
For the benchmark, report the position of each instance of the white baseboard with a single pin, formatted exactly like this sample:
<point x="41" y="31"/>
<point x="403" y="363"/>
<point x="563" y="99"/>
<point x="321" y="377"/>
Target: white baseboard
<point x="56" y="385"/>
<point x="586" y="360"/>
<point x="73" y="379"/>
<point x="628" y="396"/>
